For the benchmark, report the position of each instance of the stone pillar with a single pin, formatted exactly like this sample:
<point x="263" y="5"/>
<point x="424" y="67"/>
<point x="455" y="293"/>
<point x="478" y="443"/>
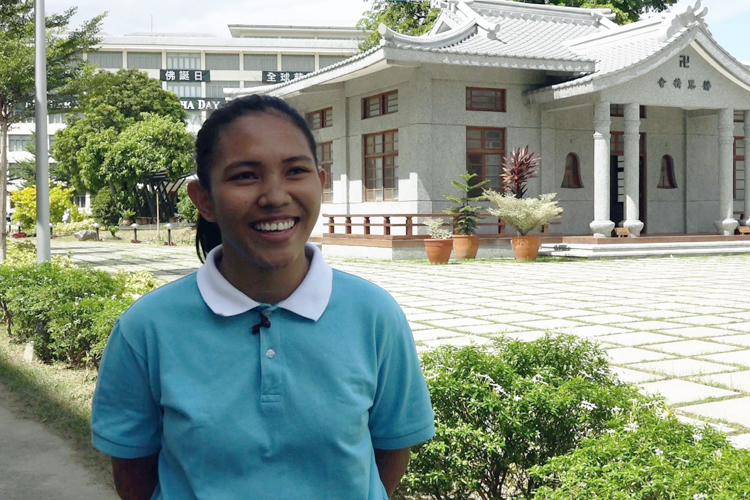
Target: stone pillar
<point x="547" y="170"/>
<point x="746" y="208"/>
<point x="601" y="226"/>
<point x="632" y="169"/>
<point x="726" y="223"/>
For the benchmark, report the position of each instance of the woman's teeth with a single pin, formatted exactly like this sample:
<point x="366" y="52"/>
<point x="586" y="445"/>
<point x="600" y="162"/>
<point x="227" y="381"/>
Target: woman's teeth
<point x="274" y="226"/>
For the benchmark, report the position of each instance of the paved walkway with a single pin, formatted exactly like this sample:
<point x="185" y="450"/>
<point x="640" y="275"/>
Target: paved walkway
<point x="676" y="326"/>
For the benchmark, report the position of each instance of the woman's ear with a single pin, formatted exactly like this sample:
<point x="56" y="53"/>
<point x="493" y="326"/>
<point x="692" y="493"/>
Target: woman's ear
<point x="202" y="200"/>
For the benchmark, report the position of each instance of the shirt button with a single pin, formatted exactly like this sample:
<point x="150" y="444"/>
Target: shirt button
<point x="270" y="353"/>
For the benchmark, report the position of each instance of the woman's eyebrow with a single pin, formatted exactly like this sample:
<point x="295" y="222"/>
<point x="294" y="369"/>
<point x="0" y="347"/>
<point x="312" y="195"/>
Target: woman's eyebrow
<point x="294" y="159"/>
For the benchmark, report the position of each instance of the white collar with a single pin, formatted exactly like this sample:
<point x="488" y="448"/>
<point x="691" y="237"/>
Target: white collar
<point x="309" y="300"/>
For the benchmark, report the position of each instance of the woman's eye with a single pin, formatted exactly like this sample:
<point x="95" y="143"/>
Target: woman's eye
<point x="244" y="175"/>
<point x="298" y="170"/>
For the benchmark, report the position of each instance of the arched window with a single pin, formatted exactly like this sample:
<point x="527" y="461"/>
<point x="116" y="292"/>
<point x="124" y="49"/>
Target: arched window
<point x="572" y="177"/>
<point x="666" y="179"/>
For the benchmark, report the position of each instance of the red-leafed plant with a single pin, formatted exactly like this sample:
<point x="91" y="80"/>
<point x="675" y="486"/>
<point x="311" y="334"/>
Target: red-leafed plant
<point x="518" y="168"/>
<point x="19" y="234"/>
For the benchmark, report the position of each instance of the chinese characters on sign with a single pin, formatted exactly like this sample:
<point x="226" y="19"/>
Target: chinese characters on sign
<point x="282" y="76"/>
<point x="684" y="61"/>
<point x="677" y="83"/>
<point x="185" y="75"/>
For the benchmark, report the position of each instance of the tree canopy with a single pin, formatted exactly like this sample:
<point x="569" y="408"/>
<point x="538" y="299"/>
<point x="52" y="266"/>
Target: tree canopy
<point x="416" y="17"/>
<point x="17" y="69"/>
<point x="129" y="128"/>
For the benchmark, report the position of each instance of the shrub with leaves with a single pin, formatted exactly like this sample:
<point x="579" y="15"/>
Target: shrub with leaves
<point x="465" y="214"/>
<point x="503" y="409"/>
<point x="524" y="214"/>
<point x="647" y="454"/>
<point x="435" y="228"/>
<point x="65" y="229"/>
<point x="185" y="207"/>
<point x="67" y="311"/>
<point x="518" y="168"/>
<point x="59" y="201"/>
<point x="104" y="208"/>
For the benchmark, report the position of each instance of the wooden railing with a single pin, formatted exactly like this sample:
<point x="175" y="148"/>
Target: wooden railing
<point x="346" y="222"/>
<point x="387" y="222"/>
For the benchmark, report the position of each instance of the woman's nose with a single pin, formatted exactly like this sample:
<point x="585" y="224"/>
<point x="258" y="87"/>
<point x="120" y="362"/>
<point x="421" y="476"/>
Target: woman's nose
<point x="274" y="193"/>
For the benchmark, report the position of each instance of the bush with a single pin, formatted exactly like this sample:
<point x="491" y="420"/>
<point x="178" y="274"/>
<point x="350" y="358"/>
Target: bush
<point x="59" y="201"/>
<point x="501" y="410"/>
<point x="67" y="311"/>
<point x="185" y="207"/>
<point x="63" y="229"/>
<point x="648" y="454"/>
<point x="104" y="208"/>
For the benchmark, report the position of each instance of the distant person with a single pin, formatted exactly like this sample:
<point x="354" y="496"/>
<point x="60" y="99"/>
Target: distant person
<point x="266" y="374"/>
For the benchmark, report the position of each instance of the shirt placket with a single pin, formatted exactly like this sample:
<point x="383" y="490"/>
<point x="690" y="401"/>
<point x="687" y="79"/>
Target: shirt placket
<point x="270" y="358"/>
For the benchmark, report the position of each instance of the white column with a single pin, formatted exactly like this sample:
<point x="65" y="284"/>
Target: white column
<point x="726" y="223"/>
<point x="747" y="167"/>
<point x="601" y="226"/>
<point x="547" y="170"/>
<point x="632" y="137"/>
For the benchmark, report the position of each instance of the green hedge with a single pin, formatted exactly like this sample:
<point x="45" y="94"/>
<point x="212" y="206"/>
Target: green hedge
<point x="502" y="410"/>
<point x="66" y="310"/>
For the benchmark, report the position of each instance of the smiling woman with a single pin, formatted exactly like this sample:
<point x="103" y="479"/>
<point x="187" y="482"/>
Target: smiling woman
<point x="266" y="374"/>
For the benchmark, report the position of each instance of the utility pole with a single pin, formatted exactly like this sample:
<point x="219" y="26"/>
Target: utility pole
<point x="43" y="241"/>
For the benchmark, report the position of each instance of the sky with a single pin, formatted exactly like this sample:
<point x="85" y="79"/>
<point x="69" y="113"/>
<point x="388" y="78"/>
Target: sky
<point x="727" y="19"/>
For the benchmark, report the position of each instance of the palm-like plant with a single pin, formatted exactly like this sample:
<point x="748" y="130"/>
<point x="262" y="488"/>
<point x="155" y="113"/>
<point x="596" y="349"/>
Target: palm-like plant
<point x="518" y="168"/>
<point x="465" y="214"/>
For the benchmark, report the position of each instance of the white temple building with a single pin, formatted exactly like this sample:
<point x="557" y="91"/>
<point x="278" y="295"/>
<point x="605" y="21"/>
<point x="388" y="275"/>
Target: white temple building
<point x="642" y="125"/>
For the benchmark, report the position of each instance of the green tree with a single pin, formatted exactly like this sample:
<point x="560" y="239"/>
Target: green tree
<point x="129" y="126"/>
<point x="59" y="201"/>
<point x="416" y="17"/>
<point x="406" y="17"/>
<point x="17" y="80"/>
<point x="25" y="169"/>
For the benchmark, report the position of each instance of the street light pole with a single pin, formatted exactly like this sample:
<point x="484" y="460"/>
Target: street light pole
<point x="42" y="153"/>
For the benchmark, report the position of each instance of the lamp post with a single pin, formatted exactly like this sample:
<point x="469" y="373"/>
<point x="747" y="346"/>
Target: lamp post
<point x="43" y="251"/>
<point x="135" y="234"/>
<point x="51" y="230"/>
<point x="96" y="228"/>
<point x="169" y="235"/>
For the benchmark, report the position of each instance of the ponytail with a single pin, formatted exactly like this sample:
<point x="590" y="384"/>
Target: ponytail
<point x="207" y="237"/>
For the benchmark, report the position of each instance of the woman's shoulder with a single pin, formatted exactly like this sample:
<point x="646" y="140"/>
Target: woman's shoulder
<point x="356" y="290"/>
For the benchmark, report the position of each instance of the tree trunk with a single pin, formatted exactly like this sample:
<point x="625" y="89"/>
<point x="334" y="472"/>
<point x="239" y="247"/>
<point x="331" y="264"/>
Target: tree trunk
<point x="3" y="185"/>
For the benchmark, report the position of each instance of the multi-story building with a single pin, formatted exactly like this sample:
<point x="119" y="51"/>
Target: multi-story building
<point x="198" y="67"/>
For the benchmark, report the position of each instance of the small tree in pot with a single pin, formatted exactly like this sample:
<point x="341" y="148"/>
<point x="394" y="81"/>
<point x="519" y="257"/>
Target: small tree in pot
<point x="518" y="168"/>
<point x="439" y="245"/>
<point x="465" y="241"/>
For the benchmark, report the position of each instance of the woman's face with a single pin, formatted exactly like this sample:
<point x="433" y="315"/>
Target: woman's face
<point x="265" y="191"/>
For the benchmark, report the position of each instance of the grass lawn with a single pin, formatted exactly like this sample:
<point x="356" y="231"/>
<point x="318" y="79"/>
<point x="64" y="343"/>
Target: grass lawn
<point x="56" y="396"/>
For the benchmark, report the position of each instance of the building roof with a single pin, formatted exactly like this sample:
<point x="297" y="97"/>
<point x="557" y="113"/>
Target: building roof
<point x="585" y="44"/>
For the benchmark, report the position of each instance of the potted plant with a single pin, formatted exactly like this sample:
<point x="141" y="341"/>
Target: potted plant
<point x="127" y="217"/>
<point x="518" y="168"/>
<point x="439" y="245"/>
<point x="524" y="215"/>
<point x="465" y="241"/>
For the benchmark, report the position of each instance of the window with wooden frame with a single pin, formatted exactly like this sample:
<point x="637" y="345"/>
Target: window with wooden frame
<point x="572" y="176"/>
<point x="739" y="168"/>
<point x="667" y="178"/>
<point x="617" y="144"/>
<point x="381" y="104"/>
<point x="619" y="110"/>
<point x="325" y="162"/>
<point x="381" y="166"/>
<point x="485" y="149"/>
<point x="321" y="118"/>
<point x="739" y="116"/>
<point x="480" y="99"/>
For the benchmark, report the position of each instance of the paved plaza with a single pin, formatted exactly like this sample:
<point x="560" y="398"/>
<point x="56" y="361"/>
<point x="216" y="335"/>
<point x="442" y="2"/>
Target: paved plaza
<point x="675" y="326"/>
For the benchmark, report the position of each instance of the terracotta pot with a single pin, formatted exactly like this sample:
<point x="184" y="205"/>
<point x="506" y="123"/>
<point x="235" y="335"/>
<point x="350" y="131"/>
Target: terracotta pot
<point x="126" y="222"/>
<point x="438" y="251"/>
<point x="465" y="246"/>
<point x="526" y="247"/>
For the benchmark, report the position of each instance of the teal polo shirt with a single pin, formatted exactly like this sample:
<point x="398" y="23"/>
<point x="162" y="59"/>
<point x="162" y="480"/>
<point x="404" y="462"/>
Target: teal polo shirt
<point x="293" y="412"/>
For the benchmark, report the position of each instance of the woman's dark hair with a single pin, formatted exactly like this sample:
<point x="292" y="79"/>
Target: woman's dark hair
<point x="208" y="234"/>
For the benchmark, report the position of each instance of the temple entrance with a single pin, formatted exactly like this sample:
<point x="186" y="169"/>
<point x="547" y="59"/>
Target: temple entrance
<point x="617" y="179"/>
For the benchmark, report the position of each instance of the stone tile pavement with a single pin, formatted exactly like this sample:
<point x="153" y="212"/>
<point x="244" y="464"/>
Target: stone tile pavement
<point x="679" y="327"/>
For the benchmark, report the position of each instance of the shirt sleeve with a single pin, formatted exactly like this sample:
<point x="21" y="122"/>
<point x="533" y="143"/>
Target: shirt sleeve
<point x="125" y="416"/>
<point x="401" y="415"/>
